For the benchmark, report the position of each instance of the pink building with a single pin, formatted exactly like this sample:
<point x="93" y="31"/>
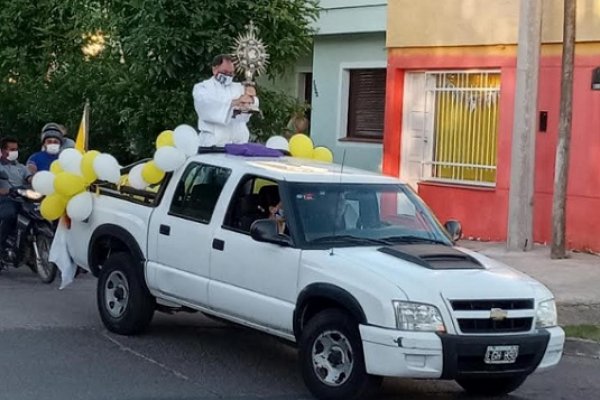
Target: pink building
<point x="449" y="113"/>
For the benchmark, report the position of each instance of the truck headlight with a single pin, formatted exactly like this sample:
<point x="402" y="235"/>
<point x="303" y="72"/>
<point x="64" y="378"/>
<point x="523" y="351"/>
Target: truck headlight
<point x="546" y="316"/>
<point x="418" y="317"/>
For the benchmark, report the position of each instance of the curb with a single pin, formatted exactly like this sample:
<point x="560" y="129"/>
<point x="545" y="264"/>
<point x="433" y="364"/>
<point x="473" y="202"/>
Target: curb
<point x="582" y="348"/>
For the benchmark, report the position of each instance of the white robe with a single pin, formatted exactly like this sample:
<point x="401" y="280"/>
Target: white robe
<point x="216" y="123"/>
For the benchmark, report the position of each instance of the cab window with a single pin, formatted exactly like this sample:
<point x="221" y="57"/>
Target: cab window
<point x="198" y="191"/>
<point x="251" y="202"/>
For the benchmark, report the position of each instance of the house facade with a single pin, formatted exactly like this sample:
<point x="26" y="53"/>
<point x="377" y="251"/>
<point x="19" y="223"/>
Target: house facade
<point x="451" y="73"/>
<point x="344" y="80"/>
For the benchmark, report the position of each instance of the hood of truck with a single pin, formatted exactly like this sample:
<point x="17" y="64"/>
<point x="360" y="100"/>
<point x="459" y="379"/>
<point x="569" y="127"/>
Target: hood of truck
<point x="476" y="277"/>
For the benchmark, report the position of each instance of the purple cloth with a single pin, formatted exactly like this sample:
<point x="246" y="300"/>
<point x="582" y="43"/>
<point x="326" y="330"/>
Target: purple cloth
<point x="252" y="150"/>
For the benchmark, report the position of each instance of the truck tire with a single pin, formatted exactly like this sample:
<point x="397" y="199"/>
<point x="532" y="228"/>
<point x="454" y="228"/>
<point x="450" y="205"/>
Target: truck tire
<point x="125" y="304"/>
<point x="491" y="386"/>
<point x="332" y="359"/>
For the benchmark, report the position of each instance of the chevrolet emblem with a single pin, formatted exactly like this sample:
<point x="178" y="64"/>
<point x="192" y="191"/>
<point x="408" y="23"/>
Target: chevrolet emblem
<point x="498" y="314"/>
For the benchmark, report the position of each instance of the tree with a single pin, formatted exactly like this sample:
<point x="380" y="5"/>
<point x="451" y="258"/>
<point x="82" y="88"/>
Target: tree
<point x="136" y="61"/>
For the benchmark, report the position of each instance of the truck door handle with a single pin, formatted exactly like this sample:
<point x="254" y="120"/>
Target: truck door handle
<point x="218" y="244"/>
<point x="165" y="230"/>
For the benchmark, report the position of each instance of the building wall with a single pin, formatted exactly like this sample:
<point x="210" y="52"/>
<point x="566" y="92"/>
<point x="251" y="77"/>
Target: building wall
<point x="351" y="16"/>
<point x="479" y="22"/>
<point x="332" y="54"/>
<point x="484" y="211"/>
<point x="349" y="33"/>
<point x="289" y="81"/>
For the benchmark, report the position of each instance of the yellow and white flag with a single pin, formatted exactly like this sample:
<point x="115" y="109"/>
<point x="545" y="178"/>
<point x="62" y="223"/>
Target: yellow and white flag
<point x="81" y="142"/>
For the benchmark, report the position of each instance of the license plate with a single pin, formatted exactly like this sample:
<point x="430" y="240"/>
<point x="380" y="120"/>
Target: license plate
<point x="501" y="354"/>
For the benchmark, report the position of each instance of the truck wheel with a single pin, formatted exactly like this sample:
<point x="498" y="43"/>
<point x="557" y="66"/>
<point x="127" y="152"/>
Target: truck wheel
<point x="491" y="386"/>
<point x="332" y="360"/>
<point x="126" y="306"/>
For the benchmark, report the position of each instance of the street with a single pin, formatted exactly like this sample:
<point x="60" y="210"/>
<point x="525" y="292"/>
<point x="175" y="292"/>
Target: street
<point x="53" y="346"/>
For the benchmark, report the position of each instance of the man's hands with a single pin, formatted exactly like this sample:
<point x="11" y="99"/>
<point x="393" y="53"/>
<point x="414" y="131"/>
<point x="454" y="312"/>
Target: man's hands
<point x="245" y="101"/>
<point x="250" y="90"/>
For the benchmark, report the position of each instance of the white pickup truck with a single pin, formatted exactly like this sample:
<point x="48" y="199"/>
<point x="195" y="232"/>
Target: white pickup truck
<point x="357" y="272"/>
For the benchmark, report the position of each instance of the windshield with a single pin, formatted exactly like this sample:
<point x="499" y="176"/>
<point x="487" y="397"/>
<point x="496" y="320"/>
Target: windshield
<point x="362" y="214"/>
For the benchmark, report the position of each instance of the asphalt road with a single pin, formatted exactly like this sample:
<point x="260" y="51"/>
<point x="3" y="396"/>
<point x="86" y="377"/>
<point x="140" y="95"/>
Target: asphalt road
<point x="53" y="346"/>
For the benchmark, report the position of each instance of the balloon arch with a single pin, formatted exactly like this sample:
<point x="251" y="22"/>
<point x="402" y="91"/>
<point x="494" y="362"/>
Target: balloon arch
<point x="66" y="185"/>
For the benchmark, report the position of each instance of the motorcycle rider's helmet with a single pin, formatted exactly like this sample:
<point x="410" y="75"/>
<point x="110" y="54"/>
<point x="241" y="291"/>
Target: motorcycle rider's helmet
<point x="52" y="130"/>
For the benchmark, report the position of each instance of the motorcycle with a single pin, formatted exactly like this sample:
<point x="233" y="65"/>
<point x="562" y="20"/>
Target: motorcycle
<point x="31" y="239"/>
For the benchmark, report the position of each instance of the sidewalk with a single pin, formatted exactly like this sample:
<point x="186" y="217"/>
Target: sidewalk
<point x="575" y="281"/>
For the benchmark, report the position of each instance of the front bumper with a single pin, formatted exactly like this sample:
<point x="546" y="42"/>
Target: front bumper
<point x="430" y="355"/>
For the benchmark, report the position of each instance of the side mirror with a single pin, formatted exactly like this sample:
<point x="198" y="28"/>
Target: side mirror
<point x="265" y="230"/>
<point x="454" y="229"/>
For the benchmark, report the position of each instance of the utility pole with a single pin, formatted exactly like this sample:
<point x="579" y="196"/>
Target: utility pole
<point x="522" y="171"/>
<point x="561" y="173"/>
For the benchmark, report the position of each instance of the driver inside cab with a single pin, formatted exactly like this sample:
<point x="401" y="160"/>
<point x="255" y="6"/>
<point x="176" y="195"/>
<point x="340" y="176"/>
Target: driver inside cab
<point x="271" y="202"/>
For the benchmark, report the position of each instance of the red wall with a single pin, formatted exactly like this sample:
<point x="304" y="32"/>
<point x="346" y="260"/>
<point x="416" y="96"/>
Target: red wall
<point x="484" y="211"/>
<point x="583" y="202"/>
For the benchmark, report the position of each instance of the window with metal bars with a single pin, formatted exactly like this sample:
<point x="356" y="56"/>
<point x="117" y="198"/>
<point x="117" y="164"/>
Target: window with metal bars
<point x="465" y="125"/>
<point x="366" y="105"/>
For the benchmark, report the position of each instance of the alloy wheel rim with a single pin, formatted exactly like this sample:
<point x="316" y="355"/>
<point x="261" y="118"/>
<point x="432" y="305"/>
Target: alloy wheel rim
<point x="332" y="358"/>
<point x="116" y="294"/>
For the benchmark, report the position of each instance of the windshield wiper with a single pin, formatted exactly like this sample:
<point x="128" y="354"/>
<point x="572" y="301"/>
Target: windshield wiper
<point x="349" y="239"/>
<point x="412" y="239"/>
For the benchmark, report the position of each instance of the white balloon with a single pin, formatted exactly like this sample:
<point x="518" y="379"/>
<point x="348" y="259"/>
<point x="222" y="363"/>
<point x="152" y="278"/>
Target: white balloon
<point x="278" y="143"/>
<point x="43" y="182"/>
<point x="107" y="168"/>
<point x="70" y="160"/>
<point x="135" y="178"/>
<point x="169" y="158"/>
<point x="186" y="140"/>
<point x="80" y="207"/>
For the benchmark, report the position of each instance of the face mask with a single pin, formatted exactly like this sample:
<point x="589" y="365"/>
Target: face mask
<point x="279" y="215"/>
<point x="223" y="79"/>
<point x="52" y="148"/>
<point x="12" y="155"/>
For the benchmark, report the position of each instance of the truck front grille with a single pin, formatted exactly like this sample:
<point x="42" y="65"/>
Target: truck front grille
<point x="476" y="324"/>
<point x="487" y="305"/>
<point x="508" y="325"/>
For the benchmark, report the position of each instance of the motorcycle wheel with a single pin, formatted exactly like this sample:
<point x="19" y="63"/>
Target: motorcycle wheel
<point x="29" y="258"/>
<point x="46" y="270"/>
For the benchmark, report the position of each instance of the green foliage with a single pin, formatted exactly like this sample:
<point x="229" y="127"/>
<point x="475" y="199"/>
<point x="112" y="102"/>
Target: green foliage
<point x="277" y="109"/>
<point x="153" y="52"/>
<point x="590" y="332"/>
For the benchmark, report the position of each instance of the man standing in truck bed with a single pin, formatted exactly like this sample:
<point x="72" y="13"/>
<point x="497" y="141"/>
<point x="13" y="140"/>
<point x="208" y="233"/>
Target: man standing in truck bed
<point x="218" y="100"/>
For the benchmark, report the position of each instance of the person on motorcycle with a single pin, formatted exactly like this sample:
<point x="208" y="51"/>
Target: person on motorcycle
<point x="12" y="175"/>
<point x="68" y="143"/>
<point x="52" y="140"/>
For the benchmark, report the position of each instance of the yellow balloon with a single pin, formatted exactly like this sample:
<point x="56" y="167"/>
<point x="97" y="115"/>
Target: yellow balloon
<point x="53" y="207"/>
<point x="87" y="166"/>
<point x="301" y="146"/>
<point x="68" y="184"/>
<point x="151" y="173"/>
<point x="165" y="139"/>
<point x="322" y="154"/>
<point x="55" y="167"/>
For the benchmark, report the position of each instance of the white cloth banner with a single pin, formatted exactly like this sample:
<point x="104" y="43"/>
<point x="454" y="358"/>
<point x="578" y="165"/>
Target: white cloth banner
<point x="59" y="255"/>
